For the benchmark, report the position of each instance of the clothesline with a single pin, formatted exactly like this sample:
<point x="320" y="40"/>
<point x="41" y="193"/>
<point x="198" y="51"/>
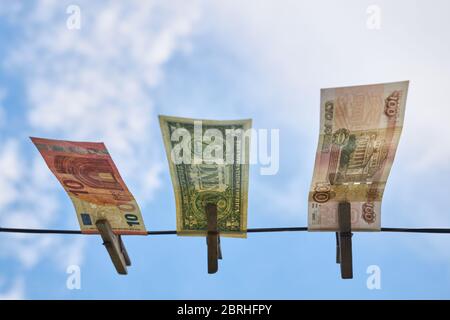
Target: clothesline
<point x="251" y="230"/>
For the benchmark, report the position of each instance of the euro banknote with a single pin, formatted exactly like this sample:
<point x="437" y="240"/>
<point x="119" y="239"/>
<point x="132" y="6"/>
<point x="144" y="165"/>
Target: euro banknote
<point x="360" y="128"/>
<point x="209" y="163"/>
<point x="93" y="183"/>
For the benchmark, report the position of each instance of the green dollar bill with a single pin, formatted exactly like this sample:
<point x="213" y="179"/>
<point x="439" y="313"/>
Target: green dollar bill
<point x="209" y="163"/>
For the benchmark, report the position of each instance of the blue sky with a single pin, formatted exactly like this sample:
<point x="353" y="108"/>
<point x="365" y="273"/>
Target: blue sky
<point x="265" y="60"/>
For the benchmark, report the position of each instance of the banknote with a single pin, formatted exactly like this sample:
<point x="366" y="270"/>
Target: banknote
<point x="93" y="183"/>
<point x="360" y="128"/>
<point x="208" y="163"/>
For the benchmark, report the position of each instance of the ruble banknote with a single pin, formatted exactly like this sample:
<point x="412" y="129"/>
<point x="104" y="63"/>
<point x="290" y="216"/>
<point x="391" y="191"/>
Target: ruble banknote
<point x="360" y="128"/>
<point x="93" y="183"/>
<point x="209" y="163"/>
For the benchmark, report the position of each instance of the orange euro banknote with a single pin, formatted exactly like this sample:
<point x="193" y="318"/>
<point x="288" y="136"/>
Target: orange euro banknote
<point x="93" y="183"/>
<point x="360" y="128"/>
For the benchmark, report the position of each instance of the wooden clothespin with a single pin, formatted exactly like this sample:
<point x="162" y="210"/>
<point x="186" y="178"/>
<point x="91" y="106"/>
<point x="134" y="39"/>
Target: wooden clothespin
<point x="213" y="238"/>
<point x="115" y="246"/>
<point x="344" y="241"/>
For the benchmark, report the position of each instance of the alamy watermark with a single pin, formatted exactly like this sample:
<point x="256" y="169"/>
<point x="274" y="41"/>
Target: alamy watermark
<point x="73" y="21"/>
<point x="373" y="21"/>
<point x="212" y="146"/>
<point x="374" y="279"/>
<point x="73" y="281"/>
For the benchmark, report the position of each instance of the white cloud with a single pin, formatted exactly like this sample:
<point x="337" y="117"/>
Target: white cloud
<point x="33" y="203"/>
<point x="95" y="83"/>
<point x="299" y="47"/>
<point x="15" y="292"/>
<point x="11" y="167"/>
<point x="92" y="84"/>
<point x="294" y="48"/>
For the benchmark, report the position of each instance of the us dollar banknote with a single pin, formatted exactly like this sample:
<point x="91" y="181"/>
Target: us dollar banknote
<point x="209" y="163"/>
<point x="93" y="183"/>
<point x="360" y="128"/>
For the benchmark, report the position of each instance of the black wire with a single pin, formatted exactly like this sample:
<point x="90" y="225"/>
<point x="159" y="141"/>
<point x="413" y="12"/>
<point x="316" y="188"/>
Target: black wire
<point x="251" y="230"/>
<point x="417" y="230"/>
<point x="21" y="230"/>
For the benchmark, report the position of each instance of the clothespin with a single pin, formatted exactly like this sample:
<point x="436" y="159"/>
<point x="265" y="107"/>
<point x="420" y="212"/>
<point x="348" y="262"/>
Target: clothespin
<point x="114" y="245"/>
<point x="344" y="241"/>
<point x="219" y="249"/>
<point x="338" y="249"/>
<point x="212" y="238"/>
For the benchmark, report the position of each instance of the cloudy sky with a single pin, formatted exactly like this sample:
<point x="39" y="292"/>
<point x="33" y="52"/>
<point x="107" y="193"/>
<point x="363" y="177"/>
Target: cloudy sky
<point x="265" y="60"/>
